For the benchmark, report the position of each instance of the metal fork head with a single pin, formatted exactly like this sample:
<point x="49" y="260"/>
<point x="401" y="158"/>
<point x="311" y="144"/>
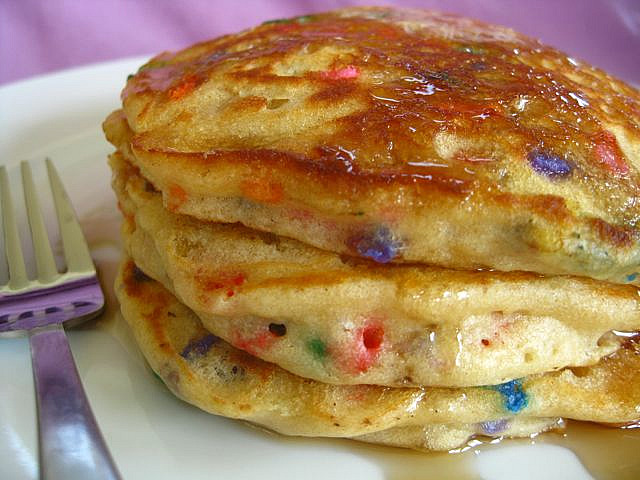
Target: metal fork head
<point x="51" y="297"/>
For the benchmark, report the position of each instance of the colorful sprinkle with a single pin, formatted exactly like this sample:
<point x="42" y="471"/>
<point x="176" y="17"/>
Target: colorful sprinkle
<point x="154" y="63"/>
<point x="317" y="348"/>
<point x="372" y="337"/>
<point x="199" y="347"/>
<point x="158" y="79"/>
<point x="262" y="340"/>
<point x="514" y="396"/>
<point x="364" y="353"/>
<point x="378" y="244"/>
<point x="278" y="20"/>
<point x="177" y="197"/>
<point x="305" y="18"/>
<point x="486" y="342"/>
<point x="187" y="85"/>
<point x="345" y="73"/>
<point x="228" y="281"/>
<point x="264" y="191"/>
<point x="493" y="427"/>
<point x="609" y="154"/>
<point x="632" y="277"/>
<point x="550" y="165"/>
<point x="278" y="329"/>
<point x="300" y="19"/>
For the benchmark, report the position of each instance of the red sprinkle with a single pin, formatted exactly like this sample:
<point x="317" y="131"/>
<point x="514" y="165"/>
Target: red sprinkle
<point x="609" y="154"/>
<point x="186" y="86"/>
<point x="223" y="281"/>
<point x="366" y="346"/>
<point x="262" y="340"/>
<point x="345" y="73"/>
<point x="372" y="337"/>
<point x="485" y="342"/>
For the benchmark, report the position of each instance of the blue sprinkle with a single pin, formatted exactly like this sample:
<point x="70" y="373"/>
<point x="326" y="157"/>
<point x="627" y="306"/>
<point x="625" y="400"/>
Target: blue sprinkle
<point x="378" y="245"/>
<point x="199" y="347"/>
<point x="515" y="398"/>
<point x="632" y="277"/>
<point x="549" y="165"/>
<point x="493" y="427"/>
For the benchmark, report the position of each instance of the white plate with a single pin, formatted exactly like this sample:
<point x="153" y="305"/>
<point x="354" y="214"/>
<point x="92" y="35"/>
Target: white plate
<point x="152" y="434"/>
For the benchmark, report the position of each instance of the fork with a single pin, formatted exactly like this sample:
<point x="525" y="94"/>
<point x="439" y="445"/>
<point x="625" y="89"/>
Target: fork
<point x="71" y="445"/>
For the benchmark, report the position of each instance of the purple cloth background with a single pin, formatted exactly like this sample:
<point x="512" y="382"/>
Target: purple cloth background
<point x="38" y="36"/>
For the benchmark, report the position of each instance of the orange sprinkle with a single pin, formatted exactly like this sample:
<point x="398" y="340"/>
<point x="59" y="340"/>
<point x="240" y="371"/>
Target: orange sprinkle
<point x="264" y="191"/>
<point x="187" y="85"/>
<point x="223" y="280"/>
<point x="177" y="197"/>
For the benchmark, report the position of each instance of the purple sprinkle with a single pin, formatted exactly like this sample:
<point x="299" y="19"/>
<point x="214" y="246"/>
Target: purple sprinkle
<point x="199" y="347"/>
<point x="548" y="164"/>
<point x="378" y="244"/>
<point x="494" y="427"/>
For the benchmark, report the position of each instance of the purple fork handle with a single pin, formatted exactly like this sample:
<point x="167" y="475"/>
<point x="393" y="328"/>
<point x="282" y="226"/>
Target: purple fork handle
<point x="71" y="445"/>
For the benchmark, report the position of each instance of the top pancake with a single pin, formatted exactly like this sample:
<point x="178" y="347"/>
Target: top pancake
<point x="398" y="135"/>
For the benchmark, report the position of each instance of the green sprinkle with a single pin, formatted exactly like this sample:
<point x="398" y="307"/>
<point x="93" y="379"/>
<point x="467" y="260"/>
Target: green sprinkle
<point x="153" y="64"/>
<point x="305" y="18"/>
<point x="130" y="76"/>
<point x="278" y="20"/>
<point x="317" y="348"/>
<point x="301" y="19"/>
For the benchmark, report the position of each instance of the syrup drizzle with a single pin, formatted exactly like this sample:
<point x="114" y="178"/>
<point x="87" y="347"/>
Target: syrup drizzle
<point x="606" y="453"/>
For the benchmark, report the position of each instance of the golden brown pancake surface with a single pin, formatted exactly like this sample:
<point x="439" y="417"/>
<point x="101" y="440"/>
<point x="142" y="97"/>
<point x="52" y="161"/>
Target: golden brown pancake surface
<point x="397" y="135"/>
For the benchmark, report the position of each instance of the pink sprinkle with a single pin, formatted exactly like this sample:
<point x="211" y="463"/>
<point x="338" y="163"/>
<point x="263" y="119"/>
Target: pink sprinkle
<point x="260" y="341"/>
<point x="348" y="72"/>
<point x="156" y="79"/>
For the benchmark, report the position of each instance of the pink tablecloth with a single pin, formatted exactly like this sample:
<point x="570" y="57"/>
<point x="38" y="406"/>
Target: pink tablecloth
<point x="38" y="36"/>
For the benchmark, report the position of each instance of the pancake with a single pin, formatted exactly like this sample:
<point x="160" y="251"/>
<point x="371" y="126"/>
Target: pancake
<point x="203" y="370"/>
<point x="399" y="136"/>
<point x="336" y="320"/>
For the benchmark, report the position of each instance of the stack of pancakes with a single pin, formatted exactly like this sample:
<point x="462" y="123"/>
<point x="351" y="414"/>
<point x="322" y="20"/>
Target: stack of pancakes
<point x="397" y="226"/>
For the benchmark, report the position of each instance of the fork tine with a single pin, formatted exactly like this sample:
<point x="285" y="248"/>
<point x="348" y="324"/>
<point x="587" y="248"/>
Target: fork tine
<point x="46" y="265"/>
<point x="17" y="271"/>
<point x="76" y="251"/>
